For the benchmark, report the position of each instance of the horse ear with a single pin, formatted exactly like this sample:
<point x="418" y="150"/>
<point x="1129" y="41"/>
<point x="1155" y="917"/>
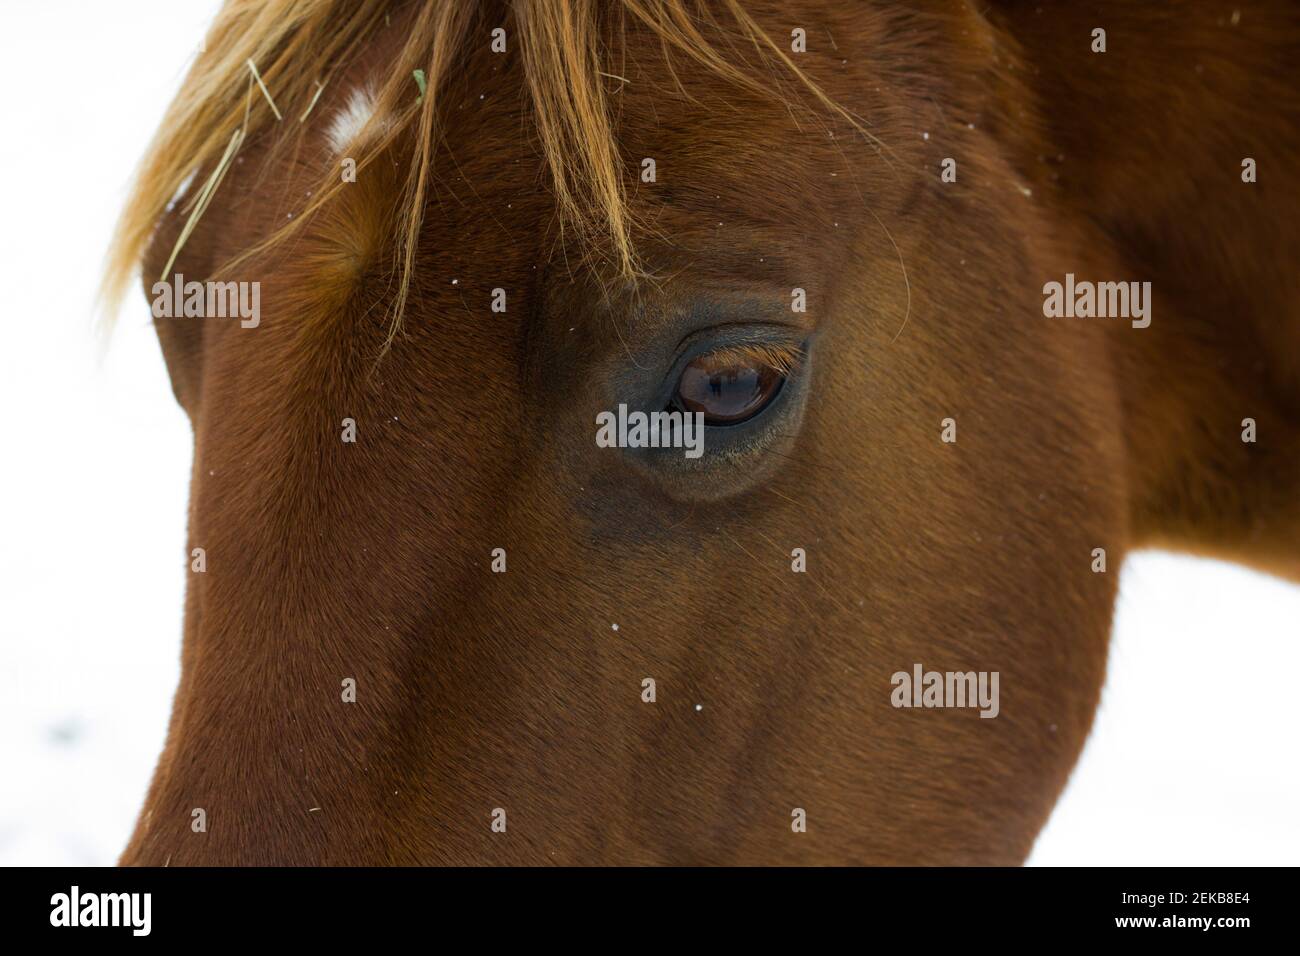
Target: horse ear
<point x="1175" y="144"/>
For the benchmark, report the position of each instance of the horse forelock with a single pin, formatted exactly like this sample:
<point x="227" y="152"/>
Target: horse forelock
<point x="299" y="49"/>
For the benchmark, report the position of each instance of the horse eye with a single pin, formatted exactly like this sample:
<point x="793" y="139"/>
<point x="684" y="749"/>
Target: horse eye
<point x="728" y="394"/>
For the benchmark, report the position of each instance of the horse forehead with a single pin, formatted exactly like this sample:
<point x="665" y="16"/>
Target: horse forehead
<point x="720" y="169"/>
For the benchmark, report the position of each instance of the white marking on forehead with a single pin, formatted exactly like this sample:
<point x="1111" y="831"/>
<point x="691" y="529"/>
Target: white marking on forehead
<point x="351" y="120"/>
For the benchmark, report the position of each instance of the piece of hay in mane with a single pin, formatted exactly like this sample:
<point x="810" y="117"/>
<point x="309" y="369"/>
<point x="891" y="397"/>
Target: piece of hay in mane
<point x="320" y="88"/>
<point x="265" y="92"/>
<point x="205" y="196"/>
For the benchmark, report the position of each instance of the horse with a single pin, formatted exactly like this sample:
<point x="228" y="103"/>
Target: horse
<point x="431" y="620"/>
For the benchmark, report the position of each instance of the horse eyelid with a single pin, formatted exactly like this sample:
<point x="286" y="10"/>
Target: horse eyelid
<point x="780" y="358"/>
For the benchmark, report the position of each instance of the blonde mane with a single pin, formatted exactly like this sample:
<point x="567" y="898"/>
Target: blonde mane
<point x="265" y="63"/>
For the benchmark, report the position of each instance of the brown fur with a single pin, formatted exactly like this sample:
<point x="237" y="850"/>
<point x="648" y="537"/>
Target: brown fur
<point x="478" y="690"/>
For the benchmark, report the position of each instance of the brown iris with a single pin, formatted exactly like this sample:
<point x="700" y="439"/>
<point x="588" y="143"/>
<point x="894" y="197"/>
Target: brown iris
<point x="727" y="392"/>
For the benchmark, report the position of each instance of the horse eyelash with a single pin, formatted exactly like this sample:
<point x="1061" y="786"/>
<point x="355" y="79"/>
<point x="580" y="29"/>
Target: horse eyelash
<point x="782" y="359"/>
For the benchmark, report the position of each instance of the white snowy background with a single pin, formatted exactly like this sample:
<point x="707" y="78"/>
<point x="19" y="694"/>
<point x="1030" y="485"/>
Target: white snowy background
<point x="1193" y="759"/>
